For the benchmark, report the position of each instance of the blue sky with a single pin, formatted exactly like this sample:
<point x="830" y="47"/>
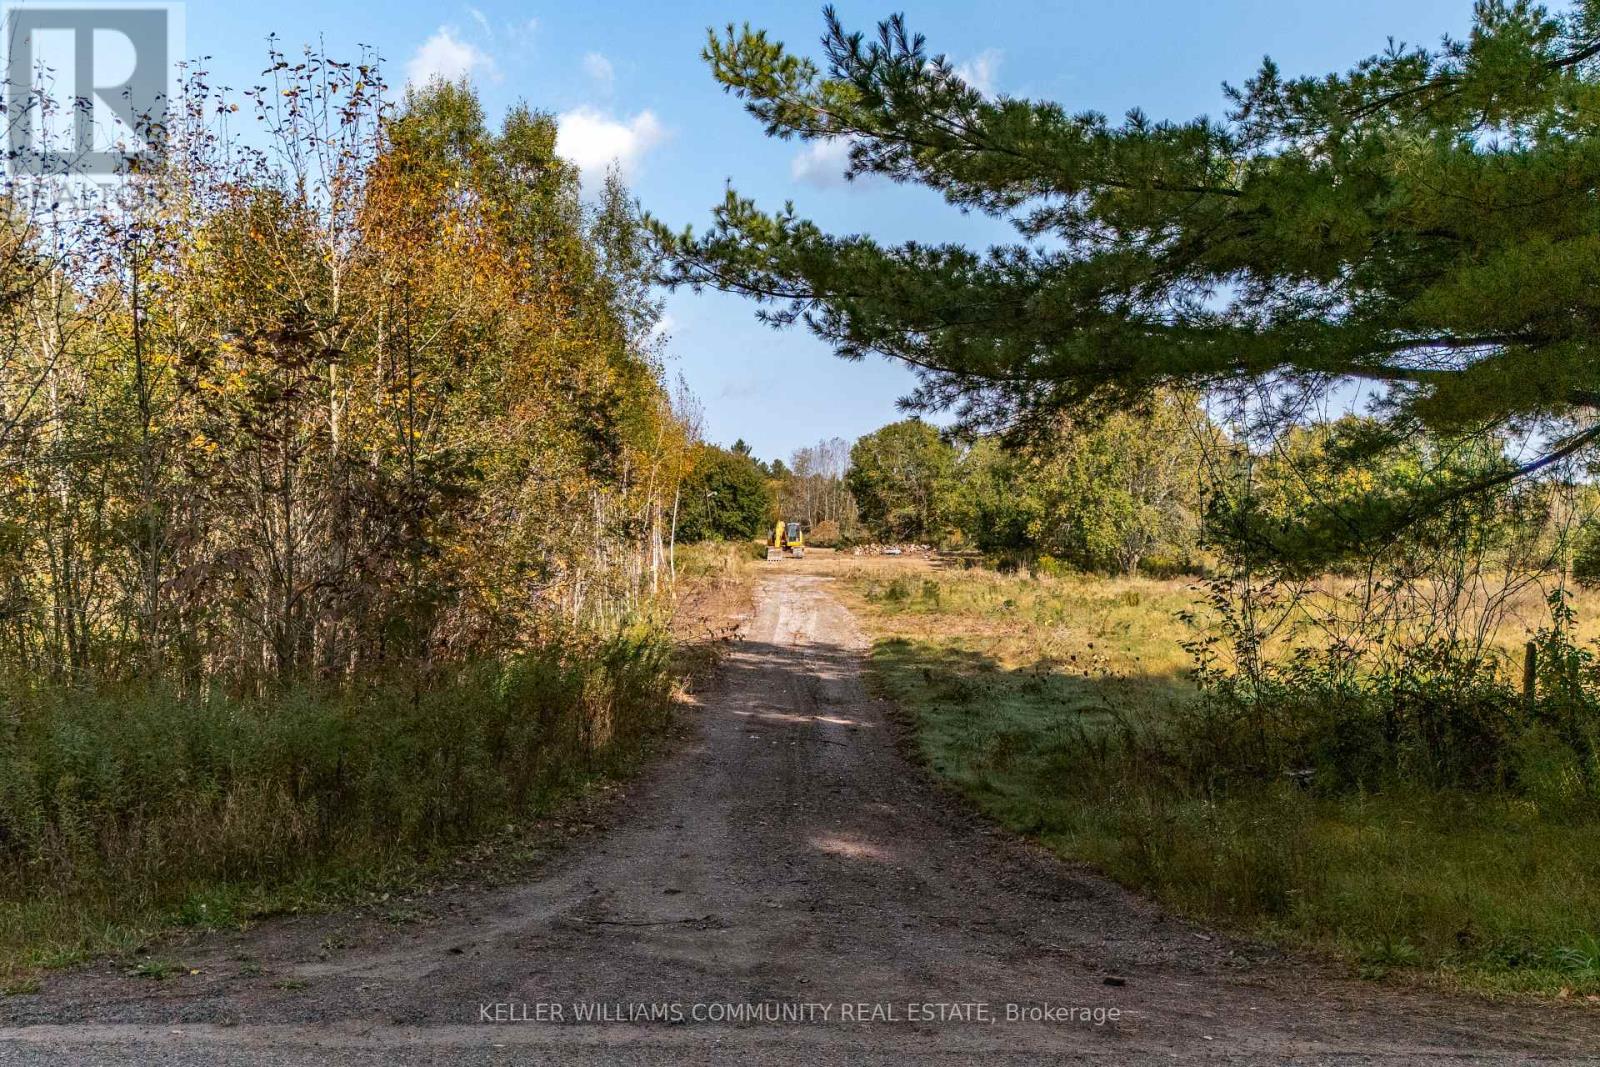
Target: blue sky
<point x="626" y="77"/>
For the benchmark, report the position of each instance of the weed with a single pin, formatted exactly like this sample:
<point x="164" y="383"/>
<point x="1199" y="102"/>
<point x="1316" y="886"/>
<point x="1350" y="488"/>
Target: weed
<point x="406" y="916"/>
<point x="1387" y="954"/>
<point x="156" y="969"/>
<point x="1580" y="959"/>
<point x="286" y="800"/>
<point x="56" y="956"/>
<point x="1073" y="717"/>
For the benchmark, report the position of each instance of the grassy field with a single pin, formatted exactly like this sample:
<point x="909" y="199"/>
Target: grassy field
<point x="1029" y="696"/>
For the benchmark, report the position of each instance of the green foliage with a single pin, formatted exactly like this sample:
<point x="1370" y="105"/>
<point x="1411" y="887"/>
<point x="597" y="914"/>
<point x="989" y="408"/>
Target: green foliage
<point x="161" y="795"/>
<point x="156" y="970"/>
<point x="1112" y="760"/>
<point x="1110" y="493"/>
<point x="1429" y="709"/>
<point x="1566" y="695"/>
<point x="1586" y="555"/>
<point x="336" y="474"/>
<point x="1421" y="222"/>
<point x="328" y="406"/>
<point x="989" y="500"/>
<point x="1339" y="495"/>
<point x="725" y="496"/>
<point x="901" y="478"/>
<point x="1101" y="495"/>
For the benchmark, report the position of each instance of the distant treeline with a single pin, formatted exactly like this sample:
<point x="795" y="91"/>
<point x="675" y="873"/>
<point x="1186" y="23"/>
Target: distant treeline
<point x="1162" y="489"/>
<point x="1114" y="495"/>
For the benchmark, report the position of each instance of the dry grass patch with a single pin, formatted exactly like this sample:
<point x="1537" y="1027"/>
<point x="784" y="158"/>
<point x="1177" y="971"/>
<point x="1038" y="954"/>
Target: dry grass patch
<point x="1045" y="701"/>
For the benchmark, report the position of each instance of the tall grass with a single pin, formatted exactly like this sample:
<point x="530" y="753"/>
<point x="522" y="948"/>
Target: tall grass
<point x="1063" y="708"/>
<point x="118" y="804"/>
<point x="715" y="560"/>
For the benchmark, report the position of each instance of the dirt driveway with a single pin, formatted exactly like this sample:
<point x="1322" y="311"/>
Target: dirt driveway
<point x="786" y="863"/>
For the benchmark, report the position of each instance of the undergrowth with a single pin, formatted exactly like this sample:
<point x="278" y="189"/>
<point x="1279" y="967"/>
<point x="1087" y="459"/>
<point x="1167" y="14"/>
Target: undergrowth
<point x="1446" y="836"/>
<point x="123" y="808"/>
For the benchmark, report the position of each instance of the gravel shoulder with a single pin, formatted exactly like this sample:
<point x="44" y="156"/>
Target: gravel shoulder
<point x="785" y="859"/>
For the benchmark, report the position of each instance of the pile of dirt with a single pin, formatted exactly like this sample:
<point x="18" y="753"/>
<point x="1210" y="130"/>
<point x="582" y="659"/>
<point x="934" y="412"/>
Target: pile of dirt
<point x="902" y="548"/>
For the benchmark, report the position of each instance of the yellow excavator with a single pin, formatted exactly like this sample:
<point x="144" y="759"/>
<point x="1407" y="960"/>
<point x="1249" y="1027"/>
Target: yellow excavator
<point x="787" y="540"/>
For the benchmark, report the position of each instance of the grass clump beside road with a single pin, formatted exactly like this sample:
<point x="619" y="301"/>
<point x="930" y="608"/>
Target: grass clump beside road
<point x="1059" y="705"/>
<point x="129" y="809"/>
<point x="125" y="809"/>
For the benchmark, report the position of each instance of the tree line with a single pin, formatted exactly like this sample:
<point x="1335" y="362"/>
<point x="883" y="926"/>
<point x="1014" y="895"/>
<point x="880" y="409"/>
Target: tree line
<point x="371" y="388"/>
<point x="338" y="485"/>
<point x="1108" y="495"/>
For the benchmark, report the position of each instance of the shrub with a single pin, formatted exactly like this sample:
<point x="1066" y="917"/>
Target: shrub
<point x="154" y="792"/>
<point x="1435" y="717"/>
<point x="1586" y="556"/>
<point x="894" y="591"/>
<point x="1432" y="722"/>
<point x="1045" y="566"/>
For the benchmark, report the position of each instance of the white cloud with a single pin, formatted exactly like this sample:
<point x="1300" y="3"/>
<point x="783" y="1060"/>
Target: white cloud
<point x="822" y="163"/>
<point x="480" y="18"/>
<point x="599" y="68"/>
<point x="981" y="70"/>
<point x="594" y="140"/>
<point x="446" y="56"/>
<point x="520" y="35"/>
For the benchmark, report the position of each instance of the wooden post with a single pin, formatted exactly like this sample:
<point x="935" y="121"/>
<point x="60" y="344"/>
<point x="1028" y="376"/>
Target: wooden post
<point x="1530" y="668"/>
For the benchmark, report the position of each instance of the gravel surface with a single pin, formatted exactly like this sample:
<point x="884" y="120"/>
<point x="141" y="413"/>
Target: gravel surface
<point x="785" y="862"/>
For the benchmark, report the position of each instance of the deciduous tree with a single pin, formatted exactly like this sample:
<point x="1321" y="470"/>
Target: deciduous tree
<point x="901" y="478"/>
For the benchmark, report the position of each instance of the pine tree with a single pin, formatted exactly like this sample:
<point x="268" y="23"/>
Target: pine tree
<point x="1425" y="221"/>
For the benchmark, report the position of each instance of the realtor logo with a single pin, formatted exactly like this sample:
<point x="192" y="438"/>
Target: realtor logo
<point x="88" y="87"/>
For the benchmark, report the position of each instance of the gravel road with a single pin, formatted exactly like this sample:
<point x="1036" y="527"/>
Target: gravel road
<point x="784" y="887"/>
